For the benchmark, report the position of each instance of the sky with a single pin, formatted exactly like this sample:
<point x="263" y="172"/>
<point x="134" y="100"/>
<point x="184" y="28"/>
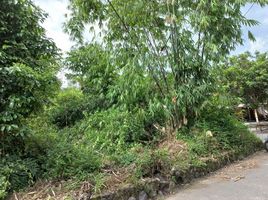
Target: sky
<point x="260" y="31"/>
<point x="57" y="9"/>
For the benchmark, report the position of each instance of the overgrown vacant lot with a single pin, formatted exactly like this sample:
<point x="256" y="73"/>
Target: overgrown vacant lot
<point x="155" y="89"/>
<point x="80" y="155"/>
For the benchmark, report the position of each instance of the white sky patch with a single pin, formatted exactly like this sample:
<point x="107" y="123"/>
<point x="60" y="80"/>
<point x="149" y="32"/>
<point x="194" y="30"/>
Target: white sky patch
<point x="265" y="21"/>
<point x="259" y="45"/>
<point x="56" y="10"/>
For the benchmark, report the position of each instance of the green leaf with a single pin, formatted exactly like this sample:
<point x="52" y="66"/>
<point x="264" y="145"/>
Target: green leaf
<point x="251" y="36"/>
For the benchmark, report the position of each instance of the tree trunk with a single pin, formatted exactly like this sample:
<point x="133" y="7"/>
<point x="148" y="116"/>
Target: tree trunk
<point x="249" y="115"/>
<point x="257" y="120"/>
<point x="256" y="116"/>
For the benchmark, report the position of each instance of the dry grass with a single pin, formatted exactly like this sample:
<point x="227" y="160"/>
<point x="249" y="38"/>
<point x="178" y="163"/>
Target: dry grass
<point x="42" y="191"/>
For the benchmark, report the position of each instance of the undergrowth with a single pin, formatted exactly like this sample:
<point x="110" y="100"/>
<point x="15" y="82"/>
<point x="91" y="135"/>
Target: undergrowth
<point x="117" y="139"/>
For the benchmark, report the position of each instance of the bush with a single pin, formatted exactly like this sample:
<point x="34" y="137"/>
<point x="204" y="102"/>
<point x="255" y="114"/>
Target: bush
<point x="67" y="160"/>
<point x="68" y="109"/>
<point x="228" y="130"/>
<point x="119" y="128"/>
<point x="114" y="129"/>
<point x="4" y="186"/>
<point x="217" y="131"/>
<point x="152" y="162"/>
<point x="61" y="153"/>
<point x="16" y="173"/>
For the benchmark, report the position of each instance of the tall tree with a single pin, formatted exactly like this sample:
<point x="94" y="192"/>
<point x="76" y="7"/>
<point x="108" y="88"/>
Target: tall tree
<point x="247" y="78"/>
<point x="28" y="64"/>
<point x="175" y="42"/>
<point x="90" y="67"/>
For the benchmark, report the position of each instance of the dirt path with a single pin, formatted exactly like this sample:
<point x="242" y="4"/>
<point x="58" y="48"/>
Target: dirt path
<point x="244" y="180"/>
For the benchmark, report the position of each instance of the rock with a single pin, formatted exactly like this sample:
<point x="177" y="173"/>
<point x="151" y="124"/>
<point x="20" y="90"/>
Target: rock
<point x="164" y="185"/>
<point x="159" y="177"/>
<point x="160" y="193"/>
<point x="172" y="185"/>
<point x="125" y="192"/>
<point x="175" y="171"/>
<point x="151" y="187"/>
<point x="84" y="196"/>
<point x="105" y="196"/>
<point x="143" y="196"/>
<point x="153" y="193"/>
<point x="132" y="198"/>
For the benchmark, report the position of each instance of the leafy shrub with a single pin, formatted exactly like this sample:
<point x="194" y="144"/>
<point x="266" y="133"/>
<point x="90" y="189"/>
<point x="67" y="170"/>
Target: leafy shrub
<point x="16" y="173"/>
<point x="147" y="160"/>
<point x="114" y="128"/>
<point x="47" y="153"/>
<point x="228" y="130"/>
<point x="67" y="160"/>
<point x="127" y="156"/>
<point x="4" y="186"/>
<point x="61" y="153"/>
<point x="67" y="155"/>
<point x="68" y="108"/>
<point x="227" y="134"/>
<point x="119" y="128"/>
<point x="28" y="71"/>
<point x="152" y="162"/>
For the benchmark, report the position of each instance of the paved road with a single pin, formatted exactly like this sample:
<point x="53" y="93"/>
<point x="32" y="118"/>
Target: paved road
<point x="244" y="180"/>
<point x="263" y="135"/>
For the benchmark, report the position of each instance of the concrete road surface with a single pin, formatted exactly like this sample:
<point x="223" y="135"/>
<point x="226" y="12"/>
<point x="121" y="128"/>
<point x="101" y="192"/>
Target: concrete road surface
<point x="244" y="180"/>
<point x="263" y="133"/>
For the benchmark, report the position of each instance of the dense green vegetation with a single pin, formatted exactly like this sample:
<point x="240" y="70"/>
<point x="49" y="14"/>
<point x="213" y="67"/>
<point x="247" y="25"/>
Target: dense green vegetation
<point x="28" y="66"/>
<point x="247" y="78"/>
<point x="149" y="96"/>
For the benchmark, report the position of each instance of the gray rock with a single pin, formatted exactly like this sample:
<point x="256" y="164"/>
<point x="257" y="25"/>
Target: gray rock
<point x="160" y="193"/>
<point x="159" y="177"/>
<point x="84" y="196"/>
<point x="132" y="198"/>
<point x="172" y="185"/>
<point x="143" y="196"/>
<point x="151" y="187"/>
<point x="164" y="185"/>
<point x="105" y="196"/>
<point x="153" y="193"/>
